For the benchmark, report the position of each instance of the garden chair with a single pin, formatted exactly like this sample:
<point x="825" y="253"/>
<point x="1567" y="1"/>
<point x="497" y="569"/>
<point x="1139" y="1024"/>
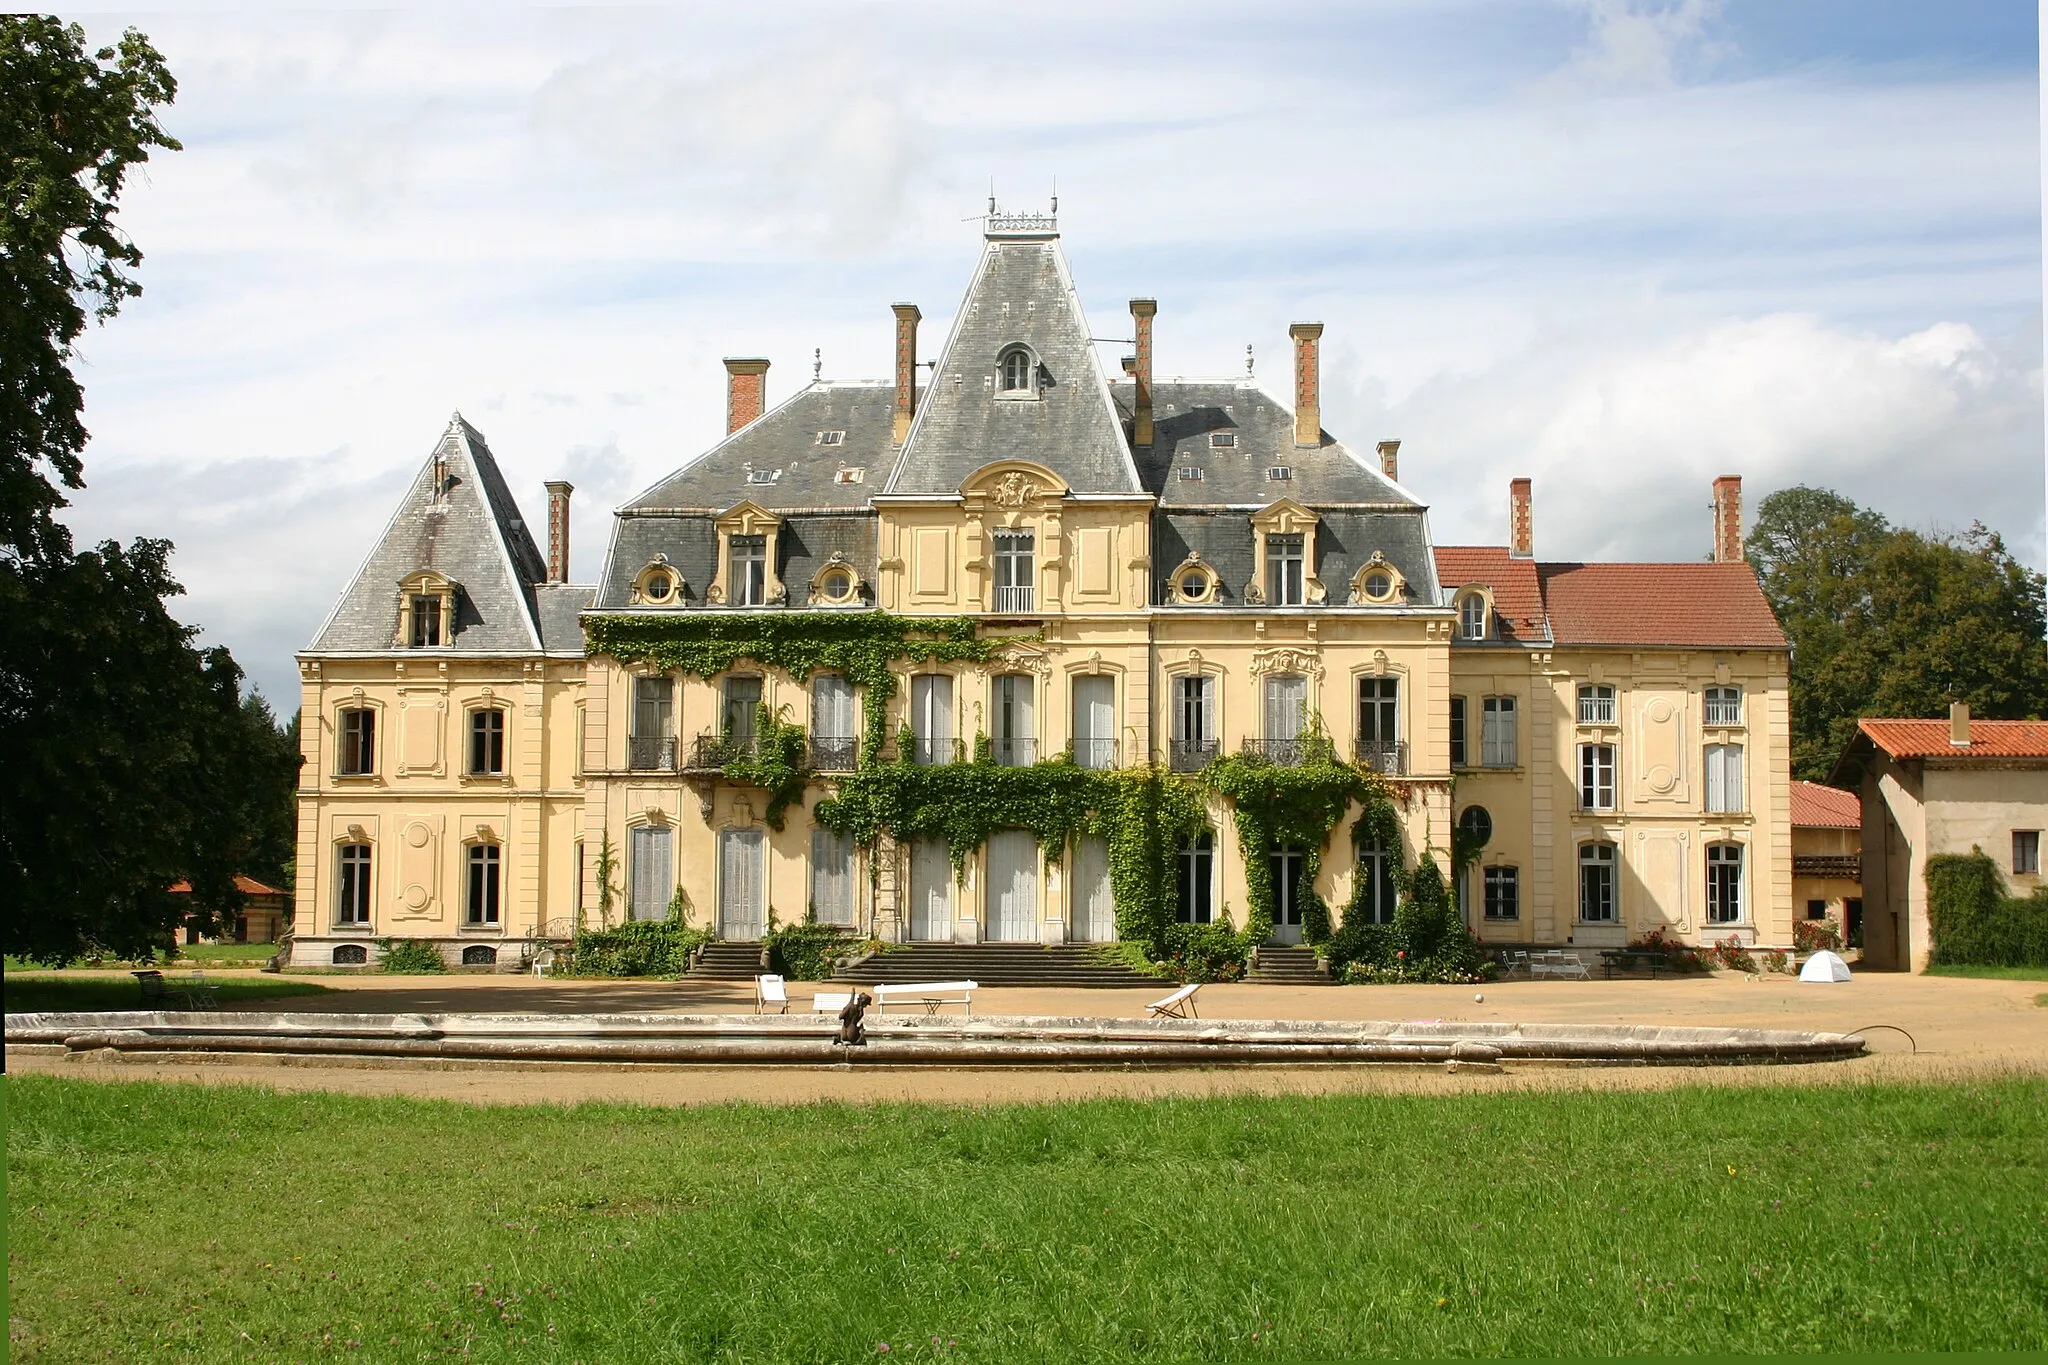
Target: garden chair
<point x="544" y="962"/>
<point x="1179" y="1005"/>
<point x="770" y="995"/>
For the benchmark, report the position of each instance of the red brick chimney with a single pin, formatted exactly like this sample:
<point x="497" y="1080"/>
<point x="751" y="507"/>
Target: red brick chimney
<point x="1728" y="519"/>
<point x="1521" y="531"/>
<point x="746" y="391"/>
<point x="907" y="318"/>
<point x="1142" y="313"/>
<point x="1390" y="459"/>
<point x="558" y="530"/>
<point x="1308" y="383"/>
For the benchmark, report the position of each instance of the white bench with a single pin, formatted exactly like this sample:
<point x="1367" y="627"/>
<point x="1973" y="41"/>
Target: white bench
<point x="770" y="995"/>
<point x="1179" y="1005"/>
<point x="930" y="994"/>
<point x="831" y="1002"/>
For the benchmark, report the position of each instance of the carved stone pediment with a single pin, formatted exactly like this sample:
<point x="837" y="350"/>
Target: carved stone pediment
<point x="1286" y="659"/>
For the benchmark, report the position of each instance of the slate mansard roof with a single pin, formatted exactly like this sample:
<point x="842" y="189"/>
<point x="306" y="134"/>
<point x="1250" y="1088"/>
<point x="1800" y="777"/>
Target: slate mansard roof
<point x="473" y="534"/>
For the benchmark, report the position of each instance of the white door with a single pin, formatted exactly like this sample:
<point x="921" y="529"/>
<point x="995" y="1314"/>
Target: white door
<point x="931" y="891"/>
<point x="1286" y="863"/>
<point x="652" y="882"/>
<point x="1094" y="909"/>
<point x="742" y="877"/>
<point x="1013" y="886"/>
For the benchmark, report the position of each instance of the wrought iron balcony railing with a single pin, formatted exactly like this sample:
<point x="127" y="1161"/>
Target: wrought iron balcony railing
<point x="712" y="752"/>
<point x="834" y="753"/>
<point x="1190" y="755"/>
<point x="1017" y="599"/>
<point x="655" y="753"/>
<point x="1095" y="753"/>
<point x="1014" y="753"/>
<point x="1289" y="753"/>
<point x="933" y="752"/>
<point x="1388" y="757"/>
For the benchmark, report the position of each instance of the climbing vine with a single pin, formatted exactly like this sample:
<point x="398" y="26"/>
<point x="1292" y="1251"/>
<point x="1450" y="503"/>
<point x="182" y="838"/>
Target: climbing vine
<point x="861" y="646"/>
<point x="779" y="764"/>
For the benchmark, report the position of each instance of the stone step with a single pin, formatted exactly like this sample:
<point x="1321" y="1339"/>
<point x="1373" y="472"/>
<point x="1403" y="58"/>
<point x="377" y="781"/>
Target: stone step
<point x="999" y="964"/>
<point x="1283" y="965"/>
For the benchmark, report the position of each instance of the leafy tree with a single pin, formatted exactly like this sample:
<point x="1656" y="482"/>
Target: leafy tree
<point x="132" y="761"/>
<point x="1887" y="621"/>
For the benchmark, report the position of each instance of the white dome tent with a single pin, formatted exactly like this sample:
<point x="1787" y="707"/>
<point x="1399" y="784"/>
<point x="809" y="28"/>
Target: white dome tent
<point x="1824" y="966"/>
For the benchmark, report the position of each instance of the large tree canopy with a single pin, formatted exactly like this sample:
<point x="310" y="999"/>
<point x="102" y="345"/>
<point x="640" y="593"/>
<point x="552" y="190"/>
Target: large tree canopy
<point x="1889" y="622"/>
<point x="131" y="759"/>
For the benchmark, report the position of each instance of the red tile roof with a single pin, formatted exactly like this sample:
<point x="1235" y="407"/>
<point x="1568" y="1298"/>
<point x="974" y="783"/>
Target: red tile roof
<point x="248" y="886"/>
<point x="1703" y="605"/>
<point x="1818" y="807"/>
<point x="1988" y="738"/>
<point x="1517" y="597"/>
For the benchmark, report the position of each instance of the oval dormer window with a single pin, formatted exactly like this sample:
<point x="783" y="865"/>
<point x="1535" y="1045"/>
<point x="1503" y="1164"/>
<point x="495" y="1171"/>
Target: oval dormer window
<point x="1194" y="586"/>
<point x="1378" y="587"/>
<point x="658" y="587"/>
<point x="1016" y="370"/>
<point x="836" y="586"/>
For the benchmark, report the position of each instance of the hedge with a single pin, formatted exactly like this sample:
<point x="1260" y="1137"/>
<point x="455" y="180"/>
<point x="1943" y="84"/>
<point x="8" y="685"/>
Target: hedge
<point x="1975" y="923"/>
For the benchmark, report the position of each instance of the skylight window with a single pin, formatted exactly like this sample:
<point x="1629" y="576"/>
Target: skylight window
<point x="1280" y="473"/>
<point x="831" y="438"/>
<point x="1222" y="440"/>
<point x="764" y="476"/>
<point x="1190" y="474"/>
<point x="852" y="476"/>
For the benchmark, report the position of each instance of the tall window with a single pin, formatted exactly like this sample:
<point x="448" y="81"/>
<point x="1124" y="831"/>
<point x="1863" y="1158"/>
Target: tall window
<point x="1095" y="721"/>
<point x="832" y="876"/>
<point x="832" y="738"/>
<point x="1724" y="779"/>
<point x="1379" y="722"/>
<point x="649" y="870"/>
<point x="931" y="718"/>
<point x="483" y="885"/>
<point x="1194" y="721"/>
<point x="1458" y="759"/>
<point x="1284" y="570"/>
<point x="1596" y="883"/>
<point x="1014" y="572"/>
<point x="1017" y="370"/>
<point x="353" y="907"/>
<point x="1195" y="892"/>
<point x="1596" y="704"/>
<point x="742" y="708"/>
<point x="1377" y="867"/>
<point x="487" y="741"/>
<point x="1286" y="715"/>
<point x="1497" y="732"/>
<point x="1724" y="883"/>
<point x="653" y="742"/>
<point x="1472" y="616"/>
<point x="1724" y="706"/>
<point x="749" y="571"/>
<point x="1016" y="734"/>
<point x="1285" y="863"/>
<point x="1503" y="895"/>
<point x="358" y="742"/>
<point x="2026" y="852"/>
<point x="1596" y="777"/>
<point x="426" y="621"/>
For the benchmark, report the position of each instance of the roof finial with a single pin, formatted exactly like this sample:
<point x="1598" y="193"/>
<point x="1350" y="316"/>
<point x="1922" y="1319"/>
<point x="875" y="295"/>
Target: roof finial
<point x="1247" y="359"/>
<point x="817" y="362"/>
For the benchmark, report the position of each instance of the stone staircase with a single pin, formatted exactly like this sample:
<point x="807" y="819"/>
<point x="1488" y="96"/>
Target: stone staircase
<point x="723" y="961"/>
<point x="1000" y="964"/>
<point x="1288" y="965"/>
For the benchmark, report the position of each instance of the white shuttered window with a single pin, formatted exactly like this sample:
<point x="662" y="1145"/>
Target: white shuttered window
<point x="1724" y="779"/>
<point x="832" y="876"/>
<point x="652" y="879"/>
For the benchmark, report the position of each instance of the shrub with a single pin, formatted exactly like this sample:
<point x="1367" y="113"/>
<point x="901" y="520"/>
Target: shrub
<point x="1973" y="921"/>
<point x="1730" y="955"/>
<point x="1814" y="935"/>
<point x="809" y="952"/>
<point x="1679" y="957"/>
<point x="1427" y="942"/>
<point x="409" y="957"/>
<point x="1775" y="960"/>
<point x="1205" y="952"/>
<point x="639" y="948"/>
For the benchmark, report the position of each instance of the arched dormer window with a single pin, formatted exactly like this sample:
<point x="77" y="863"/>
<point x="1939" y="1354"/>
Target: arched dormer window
<point x="1015" y="369"/>
<point x="426" y="610"/>
<point x="1474" y="616"/>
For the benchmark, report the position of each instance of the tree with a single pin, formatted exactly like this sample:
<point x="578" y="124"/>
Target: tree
<point x="1887" y="621"/>
<point x="132" y="761"/>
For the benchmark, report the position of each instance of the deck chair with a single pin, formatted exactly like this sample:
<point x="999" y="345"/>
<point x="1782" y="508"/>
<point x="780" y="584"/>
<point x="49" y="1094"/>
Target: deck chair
<point x="770" y="995"/>
<point x="1179" y="1005"/>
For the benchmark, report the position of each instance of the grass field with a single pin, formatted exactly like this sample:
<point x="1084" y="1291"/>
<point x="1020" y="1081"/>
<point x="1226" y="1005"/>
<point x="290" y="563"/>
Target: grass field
<point x="1992" y="973"/>
<point x="223" y="1223"/>
<point x="26" y="992"/>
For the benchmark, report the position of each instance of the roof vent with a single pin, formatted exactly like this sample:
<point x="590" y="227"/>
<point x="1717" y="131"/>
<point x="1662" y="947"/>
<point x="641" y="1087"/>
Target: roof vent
<point x="852" y="476"/>
<point x="1223" y="440"/>
<point x="1190" y="474"/>
<point x="764" y="476"/>
<point x="1280" y="473"/>
<point x="831" y="438"/>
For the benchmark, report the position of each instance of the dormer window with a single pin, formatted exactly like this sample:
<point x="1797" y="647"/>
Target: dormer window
<point x="764" y="476"/>
<point x="746" y="577"/>
<point x="426" y="621"/>
<point x="1283" y="570"/>
<point x="1015" y="368"/>
<point x="749" y="571"/>
<point x="831" y="438"/>
<point x="1222" y="440"/>
<point x="1472" y="614"/>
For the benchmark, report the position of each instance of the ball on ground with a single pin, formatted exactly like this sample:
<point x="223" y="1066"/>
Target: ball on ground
<point x="1477" y="998"/>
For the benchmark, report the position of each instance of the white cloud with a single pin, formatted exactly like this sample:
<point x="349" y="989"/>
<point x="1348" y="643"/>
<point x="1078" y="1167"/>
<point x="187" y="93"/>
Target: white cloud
<point x="1633" y="46"/>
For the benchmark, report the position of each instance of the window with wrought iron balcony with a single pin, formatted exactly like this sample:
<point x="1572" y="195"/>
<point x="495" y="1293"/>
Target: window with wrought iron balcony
<point x="931" y="719"/>
<point x="1015" y="559"/>
<point x="1193" y="744"/>
<point x="1288" y="739"/>
<point x="652" y="744"/>
<point x="833" y="746"/>
<point x="1095" y="721"/>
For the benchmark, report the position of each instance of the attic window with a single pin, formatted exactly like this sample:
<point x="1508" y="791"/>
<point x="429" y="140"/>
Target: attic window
<point x="1222" y="440"/>
<point x="764" y="475"/>
<point x="1190" y="474"/>
<point x="1279" y="473"/>
<point x="851" y="476"/>
<point x="1015" y="368"/>
<point x="831" y="438"/>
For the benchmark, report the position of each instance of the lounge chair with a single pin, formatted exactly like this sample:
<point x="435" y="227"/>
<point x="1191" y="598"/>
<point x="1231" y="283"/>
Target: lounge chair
<point x="770" y="995"/>
<point x="1179" y="1005"/>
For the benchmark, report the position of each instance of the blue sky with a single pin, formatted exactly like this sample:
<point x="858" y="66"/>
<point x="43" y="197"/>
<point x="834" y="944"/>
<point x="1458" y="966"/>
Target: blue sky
<point x="1620" y="246"/>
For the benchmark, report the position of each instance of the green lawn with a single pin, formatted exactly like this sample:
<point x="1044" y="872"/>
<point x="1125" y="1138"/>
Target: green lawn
<point x="1991" y="973"/>
<point x="26" y="992"/>
<point x="1779" y="1220"/>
